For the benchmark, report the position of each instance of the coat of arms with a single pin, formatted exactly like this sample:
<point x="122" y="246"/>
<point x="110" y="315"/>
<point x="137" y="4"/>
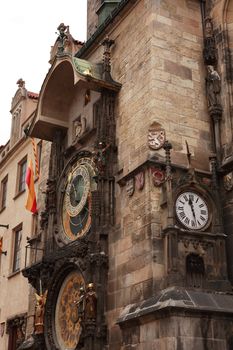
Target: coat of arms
<point x="130" y="185"/>
<point x="156" y="138"/>
<point x="158" y="177"/>
<point x="228" y="181"/>
<point x="140" y="180"/>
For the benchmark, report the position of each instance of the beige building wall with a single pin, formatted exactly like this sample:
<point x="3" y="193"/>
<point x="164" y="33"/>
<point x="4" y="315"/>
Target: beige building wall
<point x="14" y="290"/>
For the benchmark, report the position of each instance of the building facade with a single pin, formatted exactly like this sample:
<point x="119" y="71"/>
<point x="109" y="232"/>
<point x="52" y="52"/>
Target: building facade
<point x="17" y="224"/>
<point x="137" y="223"/>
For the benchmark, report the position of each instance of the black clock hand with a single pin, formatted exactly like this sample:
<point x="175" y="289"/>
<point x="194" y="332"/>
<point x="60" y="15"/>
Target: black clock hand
<point x="191" y="205"/>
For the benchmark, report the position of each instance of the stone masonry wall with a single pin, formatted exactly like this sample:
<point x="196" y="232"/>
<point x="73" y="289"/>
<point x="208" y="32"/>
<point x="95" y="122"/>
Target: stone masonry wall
<point x="179" y="333"/>
<point x="222" y="15"/>
<point x="92" y="18"/>
<point x="159" y="64"/>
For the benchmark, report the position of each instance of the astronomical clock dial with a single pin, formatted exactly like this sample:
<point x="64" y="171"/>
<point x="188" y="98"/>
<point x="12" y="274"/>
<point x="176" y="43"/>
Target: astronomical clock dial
<point x="67" y="318"/>
<point x="77" y="190"/>
<point x="76" y="201"/>
<point x="192" y="210"/>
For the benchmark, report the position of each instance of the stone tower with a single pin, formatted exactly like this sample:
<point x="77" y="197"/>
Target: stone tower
<point x="138" y="208"/>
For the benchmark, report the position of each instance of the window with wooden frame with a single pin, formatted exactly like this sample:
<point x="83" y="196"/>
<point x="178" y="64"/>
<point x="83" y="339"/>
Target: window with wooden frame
<point x="15" y="328"/>
<point x="96" y="114"/>
<point x="22" y="168"/>
<point x="12" y="341"/>
<point x="3" y="194"/>
<point x="17" y="239"/>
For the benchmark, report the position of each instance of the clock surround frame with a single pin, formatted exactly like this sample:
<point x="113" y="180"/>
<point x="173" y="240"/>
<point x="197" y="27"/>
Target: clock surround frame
<point x="205" y="197"/>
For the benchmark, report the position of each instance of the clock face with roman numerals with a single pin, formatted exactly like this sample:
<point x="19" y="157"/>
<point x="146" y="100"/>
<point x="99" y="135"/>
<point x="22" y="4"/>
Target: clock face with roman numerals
<point x="192" y="210"/>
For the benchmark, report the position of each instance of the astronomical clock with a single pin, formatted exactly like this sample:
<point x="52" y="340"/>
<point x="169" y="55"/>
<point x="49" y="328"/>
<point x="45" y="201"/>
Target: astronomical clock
<point x="79" y="200"/>
<point x="75" y="200"/>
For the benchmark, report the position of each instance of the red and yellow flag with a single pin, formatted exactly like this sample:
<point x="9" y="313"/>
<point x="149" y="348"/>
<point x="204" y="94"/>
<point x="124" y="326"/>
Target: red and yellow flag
<point x="31" y="200"/>
<point x="35" y="152"/>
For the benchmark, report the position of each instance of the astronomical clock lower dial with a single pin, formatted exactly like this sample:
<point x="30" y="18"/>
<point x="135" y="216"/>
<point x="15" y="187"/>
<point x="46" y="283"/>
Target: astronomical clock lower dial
<point x="76" y="200"/>
<point x="192" y="210"/>
<point x="67" y="318"/>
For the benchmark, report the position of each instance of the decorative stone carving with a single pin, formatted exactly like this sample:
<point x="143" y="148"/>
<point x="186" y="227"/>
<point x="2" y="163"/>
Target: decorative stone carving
<point x="156" y="137"/>
<point x="79" y="128"/>
<point x="130" y="187"/>
<point x="51" y="195"/>
<point x="107" y="43"/>
<point x="21" y="83"/>
<point x="228" y="181"/>
<point x="65" y="43"/>
<point x="213" y="87"/>
<point x="99" y="157"/>
<point x="158" y="176"/>
<point x="140" y="180"/>
<point x="167" y="148"/>
<point x="63" y="37"/>
<point x="209" y="51"/>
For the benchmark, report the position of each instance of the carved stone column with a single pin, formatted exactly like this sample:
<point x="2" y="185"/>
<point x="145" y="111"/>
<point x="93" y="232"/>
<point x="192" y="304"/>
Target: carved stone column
<point x="170" y="217"/>
<point x="216" y="116"/>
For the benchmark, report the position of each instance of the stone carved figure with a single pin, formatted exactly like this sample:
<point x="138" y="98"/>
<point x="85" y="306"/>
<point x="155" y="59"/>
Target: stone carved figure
<point x="100" y="158"/>
<point x="20" y="83"/>
<point x="208" y="27"/>
<point x="90" y="303"/>
<point x="209" y="52"/>
<point x="213" y="87"/>
<point x="80" y="304"/>
<point x="79" y="128"/>
<point x="63" y="36"/>
<point x="39" y="312"/>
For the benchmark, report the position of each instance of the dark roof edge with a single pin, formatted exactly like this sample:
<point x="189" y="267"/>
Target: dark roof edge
<point x="109" y="20"/>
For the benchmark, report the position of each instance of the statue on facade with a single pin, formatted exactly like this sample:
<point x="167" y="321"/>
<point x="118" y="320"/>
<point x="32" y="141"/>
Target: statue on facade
<point x="39" y="312"/>
<point x="209" y="51"/>
<point x="99" y="157"/>
<point x="63" y="36"/>
<point x="213" y="87"/>
<point x="21" y="83"/>
<point x="80" y="304"/>
<point x="79" y="128"/>
<point x="90" y="303"/>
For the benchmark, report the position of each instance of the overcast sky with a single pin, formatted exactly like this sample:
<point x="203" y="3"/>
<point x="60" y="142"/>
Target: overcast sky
<point x="28" y="31"/>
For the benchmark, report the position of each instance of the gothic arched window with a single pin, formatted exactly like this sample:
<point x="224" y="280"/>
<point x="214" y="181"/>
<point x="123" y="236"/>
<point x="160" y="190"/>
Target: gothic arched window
<point x="195" y="270"/>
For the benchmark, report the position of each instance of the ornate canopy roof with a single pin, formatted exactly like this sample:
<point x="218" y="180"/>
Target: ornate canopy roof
<point x="64" y="79"/>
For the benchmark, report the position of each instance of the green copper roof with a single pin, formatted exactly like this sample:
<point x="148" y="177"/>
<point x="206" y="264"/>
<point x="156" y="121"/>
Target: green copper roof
<point x="87" y="69"/>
